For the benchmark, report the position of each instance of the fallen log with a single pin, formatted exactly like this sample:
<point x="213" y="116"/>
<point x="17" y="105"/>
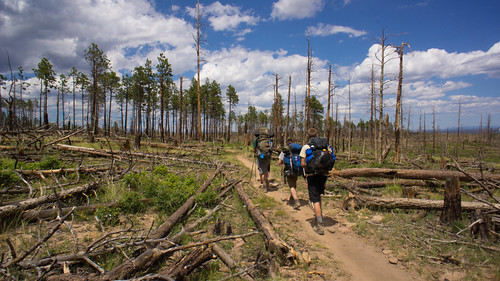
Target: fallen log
<point x="188" y="263"/>
<point x="409" y="174"/>
<point x="63" y="138"/>
<point x="63" y="170"/>
<point x="34" y="202"/>
<point x="404" y="203"/>
<point x="7" y="147"/>
<point x="126" y="155"/>
<point x="274" y="243"/>
<point x="52" y="213"/>
<point x="228" y="261"/>
<point x="384" y="183"/>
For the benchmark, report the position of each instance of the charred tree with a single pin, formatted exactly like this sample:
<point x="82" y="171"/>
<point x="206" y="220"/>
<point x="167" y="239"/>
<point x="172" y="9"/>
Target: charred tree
<point x="452" y="210"/>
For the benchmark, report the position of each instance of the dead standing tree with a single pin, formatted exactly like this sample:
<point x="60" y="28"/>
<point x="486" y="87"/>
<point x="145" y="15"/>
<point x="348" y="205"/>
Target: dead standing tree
<point x="383" y="59"/>
<point x="328" y="106"/>
<point x="276" y="111"/>
<point x="287" y="130"/>
<point x="373" y="104"/>
<point x="199" y="40"/>
<point x="308" y="81"/>
<point x="397" y="119"/>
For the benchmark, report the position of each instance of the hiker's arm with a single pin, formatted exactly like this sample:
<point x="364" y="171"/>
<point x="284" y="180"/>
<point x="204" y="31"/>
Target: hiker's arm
<point x="302" y="162"/>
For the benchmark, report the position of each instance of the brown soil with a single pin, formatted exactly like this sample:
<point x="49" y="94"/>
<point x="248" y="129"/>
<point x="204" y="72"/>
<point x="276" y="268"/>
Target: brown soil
<point x="340" y="254"/>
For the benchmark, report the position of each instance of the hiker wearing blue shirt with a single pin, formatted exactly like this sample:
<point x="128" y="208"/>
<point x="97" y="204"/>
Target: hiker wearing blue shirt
<point x="290" y="159"/>
<point x="317" y="159"/>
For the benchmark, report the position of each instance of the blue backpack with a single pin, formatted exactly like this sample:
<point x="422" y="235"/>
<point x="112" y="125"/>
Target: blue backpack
<point x="292" y="160"/>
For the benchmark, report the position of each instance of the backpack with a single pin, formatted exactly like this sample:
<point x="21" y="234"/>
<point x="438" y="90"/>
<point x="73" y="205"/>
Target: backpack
<point x="263" y="142"/>
<point x="292" y="159"/>
<point x="320" y="158"/>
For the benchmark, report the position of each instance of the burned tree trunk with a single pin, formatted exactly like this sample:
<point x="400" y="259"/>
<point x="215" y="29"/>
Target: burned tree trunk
<point x="409" y="174"/>
<point x="452" y="210"/>
<point x="31" y="203"/>
<point x="404" y="203"/>
<point x="384" y="183"/>
<point x="274" y="243"/>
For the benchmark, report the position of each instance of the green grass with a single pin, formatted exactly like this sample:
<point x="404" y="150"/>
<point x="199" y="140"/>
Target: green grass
<point x="264" y="202"/>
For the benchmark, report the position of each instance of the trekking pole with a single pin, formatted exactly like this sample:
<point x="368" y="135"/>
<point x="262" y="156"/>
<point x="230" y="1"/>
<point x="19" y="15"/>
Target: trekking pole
<point x="281" y="184"/>
<point x="256" y="170"/>
<point x="251" y="171"/>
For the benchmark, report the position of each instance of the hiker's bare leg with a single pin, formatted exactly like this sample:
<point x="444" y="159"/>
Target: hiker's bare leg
<point x="293" y="191"/>
<point x="317" y="209"/>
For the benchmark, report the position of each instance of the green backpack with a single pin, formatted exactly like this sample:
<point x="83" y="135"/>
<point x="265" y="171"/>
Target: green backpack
<point x="263" y="141"/>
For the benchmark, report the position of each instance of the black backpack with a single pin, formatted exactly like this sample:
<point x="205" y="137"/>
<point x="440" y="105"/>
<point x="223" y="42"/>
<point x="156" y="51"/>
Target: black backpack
<point x="320" y="158"/>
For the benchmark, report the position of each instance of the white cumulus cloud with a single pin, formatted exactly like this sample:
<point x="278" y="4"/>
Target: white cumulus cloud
<point x="225" y="17"/>
<point x="296" y="9"/>
<point x="328" y="29"/>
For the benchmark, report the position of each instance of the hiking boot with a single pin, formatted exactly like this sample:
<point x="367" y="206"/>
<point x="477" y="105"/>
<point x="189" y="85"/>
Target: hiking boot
<point x="296" y="205"/>
<point x="319" y="228"/>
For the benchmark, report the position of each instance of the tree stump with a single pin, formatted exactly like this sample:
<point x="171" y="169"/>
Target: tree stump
<point x="452" y="208"/>
<point x="482" y="225"/>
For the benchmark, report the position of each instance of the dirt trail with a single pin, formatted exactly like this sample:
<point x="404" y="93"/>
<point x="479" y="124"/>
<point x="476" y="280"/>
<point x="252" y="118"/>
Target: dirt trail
<point x="343" y="255"/>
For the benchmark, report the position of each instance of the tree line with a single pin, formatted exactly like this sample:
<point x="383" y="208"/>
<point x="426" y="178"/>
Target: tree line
<point x="152" y="105"/>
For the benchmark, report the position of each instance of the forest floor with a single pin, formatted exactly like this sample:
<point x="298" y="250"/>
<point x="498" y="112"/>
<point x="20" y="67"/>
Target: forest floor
<point x="339" y="254"/>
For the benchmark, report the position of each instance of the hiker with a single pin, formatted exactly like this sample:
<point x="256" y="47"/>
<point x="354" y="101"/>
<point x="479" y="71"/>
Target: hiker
<point x="290" y="159"/>
<point x="262" y="148"/>
<point x="317" y="159"/>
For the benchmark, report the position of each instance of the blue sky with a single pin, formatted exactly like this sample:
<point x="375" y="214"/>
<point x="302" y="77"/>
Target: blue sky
<point x="454" y="53"/>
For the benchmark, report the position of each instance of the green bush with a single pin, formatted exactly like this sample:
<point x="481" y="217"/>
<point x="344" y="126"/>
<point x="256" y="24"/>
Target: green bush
<point x="206" y="199"/>
<point x="108" y="216"/>
<point x="160" y="170"/>
<point x="167" y="191"/>
<point x="172" y="193"/>
<point x="6" y="163"/>
<point x="47" y="163"/>
<point x="50" y="162"/>
<point x="132" y="181"/>
<point x="131" y="203"/>
<point x="7" y="178"/>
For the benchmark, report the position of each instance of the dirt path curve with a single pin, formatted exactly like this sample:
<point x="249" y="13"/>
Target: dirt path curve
<point x="339" y="247"/>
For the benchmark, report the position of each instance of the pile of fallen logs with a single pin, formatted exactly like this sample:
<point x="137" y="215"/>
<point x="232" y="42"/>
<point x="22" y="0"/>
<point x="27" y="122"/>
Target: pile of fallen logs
<point x="143" y="250"/>
<point x="484" y="205"/>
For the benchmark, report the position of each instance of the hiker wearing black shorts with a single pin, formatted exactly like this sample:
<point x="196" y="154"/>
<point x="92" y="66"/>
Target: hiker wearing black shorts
<point x="262" y="147"/>
<point x="316" y="179"/>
